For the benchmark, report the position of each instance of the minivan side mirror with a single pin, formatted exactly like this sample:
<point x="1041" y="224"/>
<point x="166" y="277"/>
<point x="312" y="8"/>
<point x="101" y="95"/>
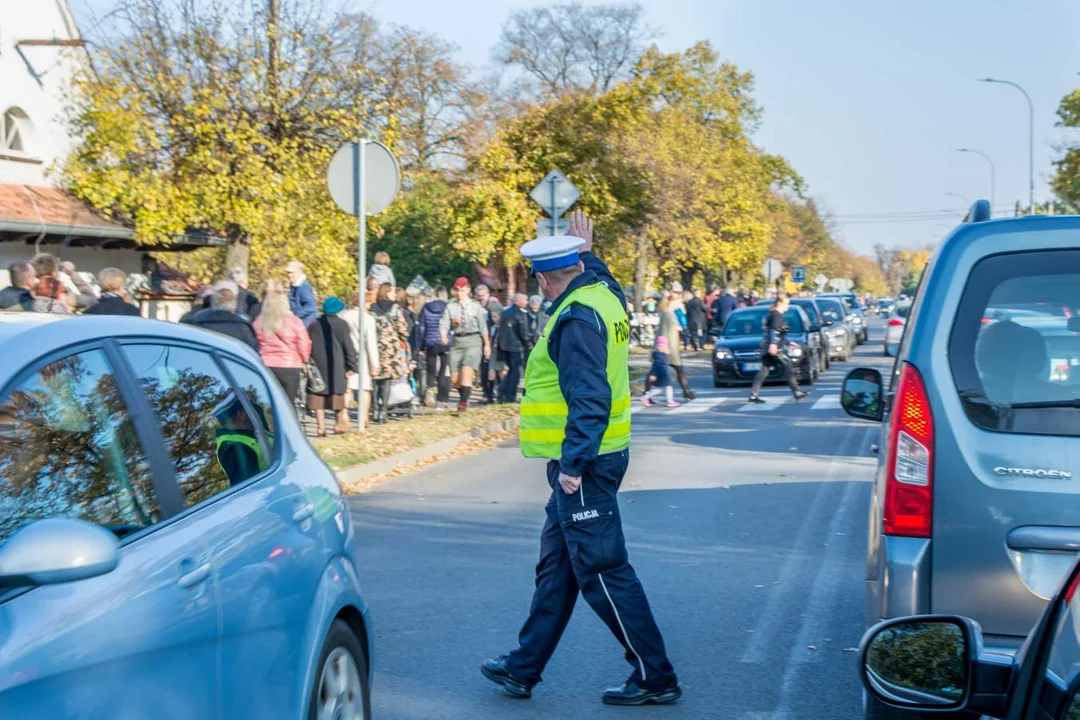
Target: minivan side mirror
<point x="56" y="550"/>
<point x="862" y="394"/>
<point x="935" y="663"/>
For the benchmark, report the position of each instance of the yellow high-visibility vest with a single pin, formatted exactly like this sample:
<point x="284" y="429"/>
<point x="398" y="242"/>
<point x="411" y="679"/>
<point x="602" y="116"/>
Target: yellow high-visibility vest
<point x="247" y="441"/>
<point x="544" y="410"/>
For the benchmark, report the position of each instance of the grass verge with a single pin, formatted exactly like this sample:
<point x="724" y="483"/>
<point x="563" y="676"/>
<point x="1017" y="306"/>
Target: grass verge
<point x="381" y="441"/>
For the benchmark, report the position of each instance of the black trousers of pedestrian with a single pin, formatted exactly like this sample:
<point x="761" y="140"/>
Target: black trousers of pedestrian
<point x="290" y="381"/>
<point x="582" y="549"/>
<point x="486" y="383"/>
<point x="509" y="387"/>
<point x="769" y="362"/>
<point x="695" y="333"/>
<point x="438" y="361"/>
<point x="684" y="383"/>
<point x="381" y="397"/>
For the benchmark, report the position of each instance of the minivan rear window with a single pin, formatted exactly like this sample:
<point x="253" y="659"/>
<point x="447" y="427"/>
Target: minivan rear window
<point x="1015" y="345"/>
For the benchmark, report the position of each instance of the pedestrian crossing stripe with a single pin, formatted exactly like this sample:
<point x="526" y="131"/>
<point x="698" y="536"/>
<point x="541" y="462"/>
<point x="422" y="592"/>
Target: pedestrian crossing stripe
<point x="697" y="406"/>
<point x="828" y="402"/>
<point x="770" y="404"/>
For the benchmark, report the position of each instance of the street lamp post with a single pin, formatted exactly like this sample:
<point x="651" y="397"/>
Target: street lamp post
<point x="967" y="203"/>
<point x="1031" y="138"/>
<point x="991" y="162"/>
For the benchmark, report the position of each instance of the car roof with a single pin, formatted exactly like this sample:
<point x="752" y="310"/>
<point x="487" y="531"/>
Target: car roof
<point x="25" y="337"/>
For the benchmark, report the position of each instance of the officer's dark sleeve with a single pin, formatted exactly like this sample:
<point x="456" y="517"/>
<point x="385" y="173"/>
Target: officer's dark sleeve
<point x="591" y="262"/>
<point x="579" y="348"/>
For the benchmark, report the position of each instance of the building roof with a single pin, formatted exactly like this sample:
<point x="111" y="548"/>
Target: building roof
<point x="29" y="212"/>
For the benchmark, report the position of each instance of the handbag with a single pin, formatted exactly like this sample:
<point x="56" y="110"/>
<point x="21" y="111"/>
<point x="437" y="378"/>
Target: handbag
<point x="316" y="385"/>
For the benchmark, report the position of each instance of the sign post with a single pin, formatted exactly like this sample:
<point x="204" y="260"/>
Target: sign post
<point x="363" y="179"/>
<point x="772" y="270"/>
<point x="556" y="194"/>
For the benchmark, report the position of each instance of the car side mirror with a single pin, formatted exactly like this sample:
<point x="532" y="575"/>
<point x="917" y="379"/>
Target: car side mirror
<point x="862" y="394"/>
<point x="57" y="550"/>
<point x="815" y="328"/>
<point x="935" y="663"/>
<point x="921" y="663"/>
<point x="827" y="323"/>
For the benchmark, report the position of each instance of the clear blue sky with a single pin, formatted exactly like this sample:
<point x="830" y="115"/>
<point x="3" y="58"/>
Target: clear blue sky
<point x="868" y="100"/>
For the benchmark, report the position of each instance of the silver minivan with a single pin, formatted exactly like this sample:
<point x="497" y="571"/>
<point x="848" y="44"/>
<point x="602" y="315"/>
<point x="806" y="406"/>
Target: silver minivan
<point x="976" y="503"/>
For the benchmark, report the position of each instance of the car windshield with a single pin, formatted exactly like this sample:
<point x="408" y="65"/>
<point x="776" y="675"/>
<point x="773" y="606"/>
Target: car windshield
<point x="808" y="308"/>
<point x="830" y="310"/>
<point x="1015" y="349"/>
<point x="752" y="322"/>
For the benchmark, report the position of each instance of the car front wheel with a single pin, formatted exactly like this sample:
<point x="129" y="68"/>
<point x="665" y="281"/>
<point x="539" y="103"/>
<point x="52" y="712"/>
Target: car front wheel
<point x="341" y="683"/>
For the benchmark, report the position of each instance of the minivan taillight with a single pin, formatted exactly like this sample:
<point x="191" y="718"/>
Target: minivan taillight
<point x="909" y="482"/>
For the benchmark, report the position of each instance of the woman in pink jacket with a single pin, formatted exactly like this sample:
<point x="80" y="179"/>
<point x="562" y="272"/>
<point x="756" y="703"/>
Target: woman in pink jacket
<point x="284" y="342"/>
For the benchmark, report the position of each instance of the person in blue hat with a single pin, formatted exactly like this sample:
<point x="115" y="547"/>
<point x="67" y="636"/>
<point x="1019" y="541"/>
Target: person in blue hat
<point x="576" y="414"/>
<point x="335" y="358"/>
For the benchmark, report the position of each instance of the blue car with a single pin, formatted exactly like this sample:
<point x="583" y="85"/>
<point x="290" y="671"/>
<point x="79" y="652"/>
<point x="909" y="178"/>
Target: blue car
<point x="170" y="544"/>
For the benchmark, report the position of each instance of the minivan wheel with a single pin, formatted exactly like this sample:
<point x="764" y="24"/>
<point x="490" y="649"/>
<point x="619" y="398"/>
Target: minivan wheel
<point x="341" y="682"/>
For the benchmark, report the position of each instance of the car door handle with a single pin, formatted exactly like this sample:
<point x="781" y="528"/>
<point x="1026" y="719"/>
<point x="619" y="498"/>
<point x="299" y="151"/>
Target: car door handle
<point x="1035" y="537"/>
<point x="195" y="577"/>
<point x="303" y="513"/>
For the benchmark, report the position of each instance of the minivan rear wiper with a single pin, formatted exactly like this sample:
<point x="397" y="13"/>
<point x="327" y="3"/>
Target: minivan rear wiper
<point x="1074" y="403"/>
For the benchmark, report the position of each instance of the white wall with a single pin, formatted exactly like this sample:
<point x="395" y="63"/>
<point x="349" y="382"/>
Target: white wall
<point x="41" y="98"/>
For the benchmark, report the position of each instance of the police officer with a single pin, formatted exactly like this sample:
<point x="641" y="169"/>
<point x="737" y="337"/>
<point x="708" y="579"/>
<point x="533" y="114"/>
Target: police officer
<point x="772" y="354"/>
<point x="576" y="413"/>
<point x="239" y="452"/>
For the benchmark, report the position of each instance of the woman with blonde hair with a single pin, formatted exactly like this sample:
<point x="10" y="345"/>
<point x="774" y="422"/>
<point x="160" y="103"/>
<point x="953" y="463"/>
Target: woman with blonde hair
<point x="284" y="342"/>
<point x="670" y="328"/>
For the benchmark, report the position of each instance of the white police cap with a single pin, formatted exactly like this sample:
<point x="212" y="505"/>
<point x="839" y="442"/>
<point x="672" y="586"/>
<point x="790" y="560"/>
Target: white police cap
<point x="552" y="253"/>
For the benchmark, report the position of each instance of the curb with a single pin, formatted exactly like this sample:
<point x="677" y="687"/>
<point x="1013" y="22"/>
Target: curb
<point x="383" y="466"/>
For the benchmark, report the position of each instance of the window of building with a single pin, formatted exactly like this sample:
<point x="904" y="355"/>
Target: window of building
<point x="15" y="131"/>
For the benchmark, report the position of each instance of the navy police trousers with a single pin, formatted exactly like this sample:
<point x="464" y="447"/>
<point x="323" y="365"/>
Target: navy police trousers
<point x="582" y="548"/>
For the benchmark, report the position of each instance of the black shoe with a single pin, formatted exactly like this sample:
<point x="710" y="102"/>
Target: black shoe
<point x="755" y="399"/>
<point x="689" y="396"/>
<point x="495" y="671"/>
<point x="631" y="694"/>
<point x="801" y="394"/>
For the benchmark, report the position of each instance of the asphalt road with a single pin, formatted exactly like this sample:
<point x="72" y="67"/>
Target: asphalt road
<point x="746" y="524"/>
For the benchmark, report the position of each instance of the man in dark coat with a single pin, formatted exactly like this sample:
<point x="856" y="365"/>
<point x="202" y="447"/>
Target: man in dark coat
<point x="696" y="320"/>
<point x="246" y="302"/>
<point x="18" y="297"/>
<point x="514" y="338"/>
<point x="112" y="301"/>
<point x="221" y="316"/>
<point x="723" y="306"/>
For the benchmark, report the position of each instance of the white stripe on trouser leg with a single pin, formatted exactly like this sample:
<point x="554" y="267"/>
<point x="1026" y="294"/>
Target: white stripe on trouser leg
<point x="618" y="619"/>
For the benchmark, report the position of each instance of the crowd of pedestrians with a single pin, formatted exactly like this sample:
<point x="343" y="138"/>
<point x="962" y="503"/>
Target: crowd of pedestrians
<point x="419" y="342"/>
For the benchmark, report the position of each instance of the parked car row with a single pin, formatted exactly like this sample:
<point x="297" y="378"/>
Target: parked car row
<point x="974" y="517"/>
<point x="820" y="330"/>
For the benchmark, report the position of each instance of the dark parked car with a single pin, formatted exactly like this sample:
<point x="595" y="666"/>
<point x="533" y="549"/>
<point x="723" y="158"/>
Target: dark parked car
<point x="817" y="339"/>
<point x="737" y="355"/>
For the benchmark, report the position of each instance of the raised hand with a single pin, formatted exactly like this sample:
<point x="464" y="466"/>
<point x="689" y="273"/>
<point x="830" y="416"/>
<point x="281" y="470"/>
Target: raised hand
<point x="582" y="227"/>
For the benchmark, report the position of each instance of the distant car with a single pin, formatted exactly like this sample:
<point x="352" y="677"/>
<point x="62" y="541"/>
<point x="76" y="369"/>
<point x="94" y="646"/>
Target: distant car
<point x="936" y="666"/>
<point x="839" y="331"/>
<point x="736" y="358"/>
<point x="974" y="507"/>
<point x="170" y="544"/>
<point x="855" y="314"/>
<point x="816" y="337"/>
<point x="894" y="328"/>
<point x="885" y="306"/>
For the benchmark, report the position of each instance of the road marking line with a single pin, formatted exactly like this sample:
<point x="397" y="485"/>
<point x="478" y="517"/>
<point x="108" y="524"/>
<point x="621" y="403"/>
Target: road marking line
<point x="760" y="647"/>
<point x="770" y="404"/>
<point x="697" y="406"/>
<point x="827" y="402"/>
